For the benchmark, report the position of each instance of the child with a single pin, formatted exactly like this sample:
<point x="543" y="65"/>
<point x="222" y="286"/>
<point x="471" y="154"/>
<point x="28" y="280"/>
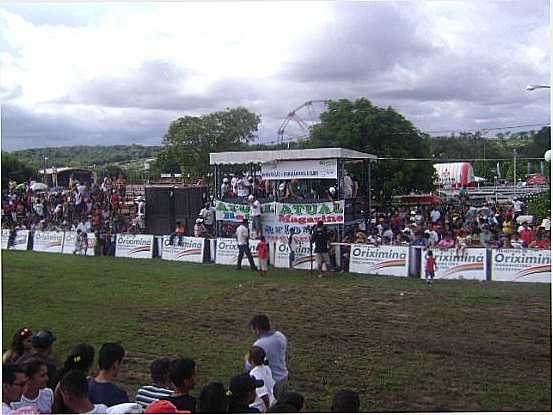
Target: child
<point x="264" y="398"/>
<point x="263" y="255"/>
<point x="429" y="267"/>
<point x="461" y="244"/>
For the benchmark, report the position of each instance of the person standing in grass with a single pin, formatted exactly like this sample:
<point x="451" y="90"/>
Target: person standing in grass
<point x="160" y="387"/>
<point x="101" y="389"/>
<point x="183" y="374"/>
<point x="429" y="267"/>
<point x="263" y="255"/>
<point x="243" y="239"/>
<point x="321" y="239"/>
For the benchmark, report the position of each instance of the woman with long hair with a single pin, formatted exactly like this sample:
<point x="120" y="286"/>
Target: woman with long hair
<point x="21" y="345"/>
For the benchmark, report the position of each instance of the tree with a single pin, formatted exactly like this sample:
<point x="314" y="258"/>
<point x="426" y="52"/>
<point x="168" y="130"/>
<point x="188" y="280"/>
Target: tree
<point x="384" y="132"/>
<point x="13" y="169"/>
<point x="191" y="139"/>
<point x="166" y="162"/>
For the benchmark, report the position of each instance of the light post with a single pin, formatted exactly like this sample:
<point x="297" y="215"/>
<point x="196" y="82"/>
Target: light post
<point x="532" y="87"/>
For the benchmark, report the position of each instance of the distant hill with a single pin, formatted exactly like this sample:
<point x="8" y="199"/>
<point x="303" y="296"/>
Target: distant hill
<point x="84" y="156"/>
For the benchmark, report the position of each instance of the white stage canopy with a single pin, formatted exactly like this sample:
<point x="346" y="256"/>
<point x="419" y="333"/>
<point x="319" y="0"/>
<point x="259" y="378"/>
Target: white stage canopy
<point x="246" y="157"/>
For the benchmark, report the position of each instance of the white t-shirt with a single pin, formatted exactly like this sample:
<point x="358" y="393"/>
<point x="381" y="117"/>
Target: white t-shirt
<point x="43" y="402"/>
<point x="517" y="205"/>
<point x="435" y="215"/>
<point x="6" y="409"/>
<point x="348" y="187"/>
<point x="209" y="215"/>
<point x="242" y="234"/>
<point x="256" y="208"/>
<point x="99" y="409"/>
<point x="242" y="188"/>
<point x="263" y="373"/>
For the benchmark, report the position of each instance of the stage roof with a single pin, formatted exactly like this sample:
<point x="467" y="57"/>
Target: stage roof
<point x="246" y="157"/>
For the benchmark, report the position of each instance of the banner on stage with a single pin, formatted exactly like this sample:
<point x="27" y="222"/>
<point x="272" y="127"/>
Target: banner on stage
<point x="134" y="246"/>
<point x="299" y="169"/>
<point x="521" y="265"/>
<point x="379" y="260"/>
<point x="227" y="252"/>
<point x="236" y="212"/>
<point x="189" y="250"/>
<point x="470" y="266"/>
<point x="48" y="242"/>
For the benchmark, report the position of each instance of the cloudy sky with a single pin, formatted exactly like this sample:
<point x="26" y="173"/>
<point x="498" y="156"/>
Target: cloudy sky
<point x="100" y="73"/>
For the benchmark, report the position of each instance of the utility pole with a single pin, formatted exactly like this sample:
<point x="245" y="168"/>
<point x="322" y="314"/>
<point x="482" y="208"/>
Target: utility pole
<point x="515" y="168"/>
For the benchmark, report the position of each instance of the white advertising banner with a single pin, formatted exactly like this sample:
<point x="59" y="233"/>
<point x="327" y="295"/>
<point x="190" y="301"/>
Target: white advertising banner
<point x="70" y="239"/>
<point x="303" y="257"/>
<point x="134" y="246"/>
<point x="91" y="243"/>
<point x="379" y="260"/>
<point x="521" y="265"/>
<point x="190" y="249"/>
<point x="48" y="242"/>
<point x="299" y="169"/>
<point x="21" y="241"/>
<point x="227" y="252"/>
<point x="470" y="266"/>
<point x="5" y="238"/>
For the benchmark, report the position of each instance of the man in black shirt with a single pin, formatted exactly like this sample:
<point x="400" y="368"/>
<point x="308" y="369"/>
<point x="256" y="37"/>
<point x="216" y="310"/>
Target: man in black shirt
<point x="182" y="373"/>
<point x="321" y="238"/>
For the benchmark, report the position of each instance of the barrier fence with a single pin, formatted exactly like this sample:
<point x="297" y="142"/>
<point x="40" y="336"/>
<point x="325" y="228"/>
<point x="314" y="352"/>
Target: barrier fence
<point x="483" y="264"/>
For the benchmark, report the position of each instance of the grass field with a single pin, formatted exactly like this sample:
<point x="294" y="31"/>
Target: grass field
<point x="455" y="345"/>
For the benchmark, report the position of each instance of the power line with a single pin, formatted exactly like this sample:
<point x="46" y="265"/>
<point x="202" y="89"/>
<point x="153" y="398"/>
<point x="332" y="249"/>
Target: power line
<point x="438" y="160"/>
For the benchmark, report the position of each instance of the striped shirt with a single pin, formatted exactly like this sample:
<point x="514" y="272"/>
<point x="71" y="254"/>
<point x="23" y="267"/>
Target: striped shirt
<point x="148" y="394"/>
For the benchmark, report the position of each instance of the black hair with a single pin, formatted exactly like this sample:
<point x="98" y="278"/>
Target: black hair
<point x="159" y="370"/>
<point x="261" y="322"/>
<point x="257" y="355"/>
<point x="8" y="373"/>
<point x="74" y="382"/>
<point x="345" y="400"/>
<point x="80" y="358"/>
<point x="32" y="365"/>
<point x="181" y="369"/>
<point x="109" y="354"/>
<point x="17" y="340"/>
<point x="293" y="398"/>
<point x="282" y="408"/>
<point x="213" y="399"/>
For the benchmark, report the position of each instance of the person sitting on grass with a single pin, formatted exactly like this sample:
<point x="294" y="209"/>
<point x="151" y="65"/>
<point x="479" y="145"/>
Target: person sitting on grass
<point x="21" y="345"/>
<point x="264" y="395"/>
<point x="345" y="400"/>
<point x="160" y="387"/>
<point x="36" y="394"/>
<point x="213" y="399"/>
<point x="74" y="391"/>
<point x="14" y="381"/>
<point x="101" y="389"/>
<point x="183" y="374"/>
<point x="242" y="394"/>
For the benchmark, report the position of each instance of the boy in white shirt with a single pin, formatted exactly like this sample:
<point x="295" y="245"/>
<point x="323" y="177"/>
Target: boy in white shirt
<point x="36" y="394"/>
<point x="264" y="398"/>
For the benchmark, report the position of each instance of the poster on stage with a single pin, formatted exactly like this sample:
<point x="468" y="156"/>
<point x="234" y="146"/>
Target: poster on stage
<point x="227" y="252"/>
<point x="471" y="265"/>
<point x="188" y="250"/>
<point x="521" y="265"/>
<point x="379" y="260"/>
<point x="237" y="212"/>
<point x="134" y="246"/>
<point x="5" y="238"/>
<point x="48" y="242"/>
<point x="299" y="169"/>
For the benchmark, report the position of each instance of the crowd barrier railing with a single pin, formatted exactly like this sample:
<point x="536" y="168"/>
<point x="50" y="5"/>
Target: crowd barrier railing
<point x="481" y="264"/>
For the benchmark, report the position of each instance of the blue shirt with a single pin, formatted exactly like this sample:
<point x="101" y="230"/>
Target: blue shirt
<point x="107" y="393"/>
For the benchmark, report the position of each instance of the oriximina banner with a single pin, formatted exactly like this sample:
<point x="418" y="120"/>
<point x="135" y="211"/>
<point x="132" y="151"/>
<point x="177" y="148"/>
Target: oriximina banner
<point x="521" y="265"/>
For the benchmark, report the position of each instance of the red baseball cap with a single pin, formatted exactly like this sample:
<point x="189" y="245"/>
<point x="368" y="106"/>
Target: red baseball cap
<point x="163" y="407"/>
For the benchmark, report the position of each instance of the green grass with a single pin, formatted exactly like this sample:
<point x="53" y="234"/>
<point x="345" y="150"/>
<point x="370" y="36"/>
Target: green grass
<point x="455" y="345"/>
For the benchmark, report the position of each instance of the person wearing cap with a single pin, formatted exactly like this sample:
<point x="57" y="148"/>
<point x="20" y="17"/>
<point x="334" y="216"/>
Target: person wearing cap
<point x="160" y="387"/>
<point x="43" y="345"/>
<point x="275" y="346"/>
<point x="21" y="345"/>
<point x="163" y="407"/>
<point x="255" y="209"/>
<point x="242" y="394"/>
<point x="14" y="381"/>
<point x="199" y="228"/>
<point x="243" y="239"/>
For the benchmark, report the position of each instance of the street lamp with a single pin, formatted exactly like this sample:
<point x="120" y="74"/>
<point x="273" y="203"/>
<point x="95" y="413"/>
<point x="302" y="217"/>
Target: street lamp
<point x="531" y="87"/>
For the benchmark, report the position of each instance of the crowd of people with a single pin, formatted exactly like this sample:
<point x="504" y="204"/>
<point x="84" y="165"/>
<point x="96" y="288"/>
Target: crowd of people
<point x="32" y="383"/>
<point x="98" y="207"/>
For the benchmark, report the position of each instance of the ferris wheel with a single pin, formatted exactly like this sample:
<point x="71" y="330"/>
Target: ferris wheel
<point x="298" y="122"/>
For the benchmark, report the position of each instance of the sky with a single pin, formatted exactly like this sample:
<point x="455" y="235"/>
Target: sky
<point x="104" y="74"/>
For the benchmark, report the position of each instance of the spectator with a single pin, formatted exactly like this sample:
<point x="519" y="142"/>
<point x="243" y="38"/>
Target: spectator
<point x="255" y="209"/>
<point x="243" y="239"/>
<point x="461" y="243"/>
<point x="321" y="239"/>
<point x="265" y="397"/>
<point x="199" y="228"/>
<point x="282" y="408"/>
<point x="275" y="345"/>
<point x="526" y="235"/>
<point x="14" y="381"/>
<point x="43" y="344"/>
<point x="183" y="374"/>
<point x="74" y="391"/>
<point x="213" y="399"/>
<point x="101" y="389"/>
<point x="345" y="400"/>
<point x="242" y="394"/>
<point x="263" y="255"/>
<point x="226" y="188"/>
<point x="208" y="215"/>
<point x="36" y="393"/>
<point x="159" y="372"/>
<point x="21" y="345"/>
<point x="294" y="399"/>
<point x="163" y="407"/>
<point x="429" y="267"/>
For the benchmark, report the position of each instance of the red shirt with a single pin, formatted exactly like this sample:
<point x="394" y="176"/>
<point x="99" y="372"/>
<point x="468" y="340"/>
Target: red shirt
<point x="430" y="263"/>
<point x="526" y="235"/>
<point x="262" y="250"/>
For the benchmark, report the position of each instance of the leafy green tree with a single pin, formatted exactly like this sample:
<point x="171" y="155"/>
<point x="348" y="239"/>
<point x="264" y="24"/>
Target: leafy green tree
<point x="166" y="162"/>
<point x="191" y="139"/>
<point x="361" y="126"/>
<point x="13" y="169"/>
